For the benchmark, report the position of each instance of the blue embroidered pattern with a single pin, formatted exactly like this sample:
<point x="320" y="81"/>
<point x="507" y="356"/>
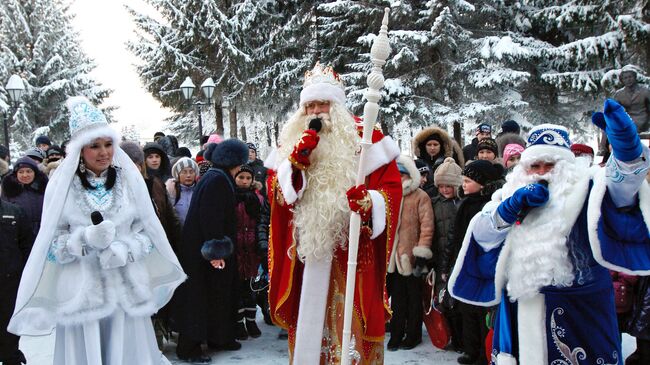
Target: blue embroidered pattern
<point x="549" y="136"/>
<point x="83" y="115"/>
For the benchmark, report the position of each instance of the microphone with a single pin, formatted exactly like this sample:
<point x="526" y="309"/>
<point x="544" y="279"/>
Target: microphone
<point x="316" y="124"/>
<point x="524" y="212"/>
<point x="96" y="217"/>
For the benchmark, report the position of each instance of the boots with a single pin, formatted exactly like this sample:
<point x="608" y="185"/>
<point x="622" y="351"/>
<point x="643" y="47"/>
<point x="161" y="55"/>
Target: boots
<point x="240" y="333"/>
<point x="251" y="326"/>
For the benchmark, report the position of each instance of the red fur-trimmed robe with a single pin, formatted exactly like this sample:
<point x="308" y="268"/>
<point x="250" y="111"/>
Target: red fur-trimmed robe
<point x="371" y="309"/>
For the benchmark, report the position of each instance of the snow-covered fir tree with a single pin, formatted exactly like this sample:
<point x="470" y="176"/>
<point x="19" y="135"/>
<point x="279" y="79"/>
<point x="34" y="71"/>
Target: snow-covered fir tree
<point x="40" y="45"/>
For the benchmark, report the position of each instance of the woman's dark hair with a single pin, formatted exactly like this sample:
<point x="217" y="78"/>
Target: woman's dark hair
<point x="110" y="179"/>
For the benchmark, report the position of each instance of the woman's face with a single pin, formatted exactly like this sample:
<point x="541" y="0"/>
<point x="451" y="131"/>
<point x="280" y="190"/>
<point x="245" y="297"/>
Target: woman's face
<point x="98" y="155"/>
<point x="25" y="175"/>
<point x="470" y="186"/>
<point x="513" y="160"/>
<point x="187" y="176"/>
<point x="244" y="180"/>
<point x="433" y="147"/>
<point x="153" y="161"/>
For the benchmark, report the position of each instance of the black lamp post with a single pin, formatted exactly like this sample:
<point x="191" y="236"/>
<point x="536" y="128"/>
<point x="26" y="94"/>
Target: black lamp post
<point x="187" y="87"/>
<point x="16" y="88"/>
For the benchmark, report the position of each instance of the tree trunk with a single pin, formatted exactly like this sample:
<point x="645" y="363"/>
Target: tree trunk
<point x="269" y="142"/>
<point x="233" y="122"/>
<point x="218" y="113"/>
<point x="242" y="132"/>
<point x="458" y="136"/>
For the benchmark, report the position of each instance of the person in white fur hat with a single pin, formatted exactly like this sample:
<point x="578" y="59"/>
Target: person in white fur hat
<point x="311" y="191"/>
<point x="541" y="249"/>
<point x="101" y="264"/>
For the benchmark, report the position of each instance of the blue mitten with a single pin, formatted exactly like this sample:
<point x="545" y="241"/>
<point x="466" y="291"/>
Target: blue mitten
<point x="531" y="195"/>
<point x="621" y="131"/>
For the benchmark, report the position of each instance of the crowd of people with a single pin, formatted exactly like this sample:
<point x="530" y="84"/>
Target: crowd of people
<point x="136" y="246"/>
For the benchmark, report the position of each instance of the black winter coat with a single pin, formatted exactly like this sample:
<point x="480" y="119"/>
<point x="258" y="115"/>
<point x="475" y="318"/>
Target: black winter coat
<point x="16" y="239"/>
<point x="28" y="197"/>
<point x="444" y="213"/>
<point x="639" y="323"/>
<point x="471" y="150"/>
<point x="205" y="306"/>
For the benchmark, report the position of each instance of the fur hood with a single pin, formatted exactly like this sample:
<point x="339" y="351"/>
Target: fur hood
<point x="50" y="167"/>
<point x="509" y="138"/>
<point x="413" y="183"/>
<point x="449" y="146"/>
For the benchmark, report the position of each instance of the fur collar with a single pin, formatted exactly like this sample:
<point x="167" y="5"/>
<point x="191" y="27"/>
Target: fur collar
<point x="409" y="185"/>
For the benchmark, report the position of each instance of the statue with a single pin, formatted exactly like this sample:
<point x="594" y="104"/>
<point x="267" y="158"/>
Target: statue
<point x="635" y="99"/>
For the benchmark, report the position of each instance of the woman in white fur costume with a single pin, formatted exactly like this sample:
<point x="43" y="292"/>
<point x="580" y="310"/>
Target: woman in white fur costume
<point x="97" y="283"/>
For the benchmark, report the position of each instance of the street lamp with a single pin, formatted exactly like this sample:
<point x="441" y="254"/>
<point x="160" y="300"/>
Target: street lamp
<point x="16" y="88"/>
<point x="187" y="87"/>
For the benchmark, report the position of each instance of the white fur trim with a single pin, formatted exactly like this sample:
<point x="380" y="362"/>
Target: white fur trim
<point x="313" y="298"/>
<point x="423" y="252"/>
<point x="271" y="160"/>
<point x="410" y="185"/>
<point x="531" y="319"/>
<point x="378" y="213"/>
<point x="594" y="213"/>
<point x="285" y="172"/>
<point x="322" y="91"/>
<point x="506" y="359"/>
<point x="542" y="152"/>
<point x="379" y="154"/>
<point x="500" y="272"/>
<point x="89" y="134"/>
<point x="404" y="265"/>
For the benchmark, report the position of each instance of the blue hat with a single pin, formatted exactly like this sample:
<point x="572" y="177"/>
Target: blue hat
<point x="484" y="128"/>
<point x="402" y="169"/>
<point x="548" y="142"/>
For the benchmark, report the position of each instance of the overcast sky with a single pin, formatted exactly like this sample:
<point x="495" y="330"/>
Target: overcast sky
<point x="104" y="27"/>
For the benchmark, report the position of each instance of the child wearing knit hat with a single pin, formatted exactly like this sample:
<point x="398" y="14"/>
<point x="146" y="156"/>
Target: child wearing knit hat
<point x="511" y="155"/>
<point x="487" y="149"/>
<point x="181" y="188"/>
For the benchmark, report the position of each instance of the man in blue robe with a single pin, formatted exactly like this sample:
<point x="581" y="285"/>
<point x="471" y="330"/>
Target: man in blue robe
<point x="541" y="249"/>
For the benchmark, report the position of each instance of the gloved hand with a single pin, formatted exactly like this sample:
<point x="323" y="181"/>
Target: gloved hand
<point x="101" y="235"/>
<point x="114" y="256"/>
<point x="420" y="267"/>
<point x="620" y="129"/>
<point x="359" y="201"/>
<point x="301" y="151"/>
<point x="531" y="195"/>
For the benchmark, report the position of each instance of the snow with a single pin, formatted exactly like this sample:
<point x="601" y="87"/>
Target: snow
<point x="269" y="350"/>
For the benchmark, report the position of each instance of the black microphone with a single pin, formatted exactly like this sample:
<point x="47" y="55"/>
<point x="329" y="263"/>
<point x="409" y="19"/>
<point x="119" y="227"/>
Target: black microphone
<point x="96" y="217"/>
<point x="524" y="212"/>
<point x="316" y="124"/>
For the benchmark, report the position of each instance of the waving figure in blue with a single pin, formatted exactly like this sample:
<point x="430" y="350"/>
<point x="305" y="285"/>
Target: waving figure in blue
<point x="541" y="249"/>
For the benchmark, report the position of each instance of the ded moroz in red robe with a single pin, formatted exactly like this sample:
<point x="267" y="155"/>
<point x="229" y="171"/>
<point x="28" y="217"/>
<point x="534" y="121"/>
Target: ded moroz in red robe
<point x="371" y="309"/>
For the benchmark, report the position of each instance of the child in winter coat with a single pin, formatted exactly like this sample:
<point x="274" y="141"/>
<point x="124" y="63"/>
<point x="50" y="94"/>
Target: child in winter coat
<point x="481" y="178"/>
<point x="180" y="189"/>
<point x="251" y="212"/>
<point x="448" y="180"/>
<point x="408" y="261"/>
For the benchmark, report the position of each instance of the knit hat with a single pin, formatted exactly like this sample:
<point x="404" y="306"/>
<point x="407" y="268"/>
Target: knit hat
<point x="35" y="153"/>
<point x="548" y="141"/>
<point x="423" y="168"/>
<point x="510" y="126"/>
<point x="199" y="156"/>
<point x="182" y="163"/>
<point x="322" y="83"/>
<point x="214" y="138"/>
<point x="448" y="173"/>
<point x="229" y="153"/>
<point x="581" y="149"/>
<point x="483" y="128"/>
<point x="252" y="146"/>
<point x="158" y="135"/>
<point x="54" y="150"/>
<point x="246" y="168"/>
<point x="511" y="150"/>
<point x="43" y="140"/>
<point x="134" y="151"/>
<point x="483" y="171"/>
<point x="153" y="147"/>
<point x="183" y="152"/>
<point x="25" y="162"/>
<point x="488" y="144"/>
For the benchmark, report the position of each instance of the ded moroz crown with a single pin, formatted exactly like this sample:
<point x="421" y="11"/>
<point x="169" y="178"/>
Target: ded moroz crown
<point x="548" y="141"/>
<point x="322" y="83"/>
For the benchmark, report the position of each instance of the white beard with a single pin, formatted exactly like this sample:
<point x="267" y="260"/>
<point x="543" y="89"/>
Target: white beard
<point x="539" y="255"/>
<point x="321" y="216"/>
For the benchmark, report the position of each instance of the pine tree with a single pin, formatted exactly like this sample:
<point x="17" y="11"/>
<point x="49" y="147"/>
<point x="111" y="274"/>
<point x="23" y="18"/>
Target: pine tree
<point x="45" y="51"/>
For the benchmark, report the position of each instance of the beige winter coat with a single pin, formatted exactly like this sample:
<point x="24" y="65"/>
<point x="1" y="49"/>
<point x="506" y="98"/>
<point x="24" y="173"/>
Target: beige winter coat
<point x="415" y="231"/>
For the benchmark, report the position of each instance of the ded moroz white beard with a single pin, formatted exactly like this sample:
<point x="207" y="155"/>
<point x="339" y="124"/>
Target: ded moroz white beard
<point x="321" y="216"/>
<point x="539" y="255"/>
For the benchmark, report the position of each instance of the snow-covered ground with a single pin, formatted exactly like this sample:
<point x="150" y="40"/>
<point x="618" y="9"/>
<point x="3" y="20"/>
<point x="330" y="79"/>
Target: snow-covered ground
<point x="269" y="350"/>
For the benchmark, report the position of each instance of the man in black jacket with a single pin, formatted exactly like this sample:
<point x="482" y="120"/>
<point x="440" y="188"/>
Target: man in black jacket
<point x="16" y="239"/>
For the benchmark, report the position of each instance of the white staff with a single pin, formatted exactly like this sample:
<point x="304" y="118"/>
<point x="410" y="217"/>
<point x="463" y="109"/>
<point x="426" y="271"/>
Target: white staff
<point x="378" y="55"/>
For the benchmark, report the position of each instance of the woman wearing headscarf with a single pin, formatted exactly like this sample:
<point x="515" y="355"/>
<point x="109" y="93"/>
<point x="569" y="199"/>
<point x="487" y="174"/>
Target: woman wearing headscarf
<point x="101" y="264"/>
<point x="431" y="146"/>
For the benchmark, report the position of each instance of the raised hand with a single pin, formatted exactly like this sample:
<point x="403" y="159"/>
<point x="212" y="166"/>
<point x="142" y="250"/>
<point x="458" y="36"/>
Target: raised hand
<point x="620" y="129"/>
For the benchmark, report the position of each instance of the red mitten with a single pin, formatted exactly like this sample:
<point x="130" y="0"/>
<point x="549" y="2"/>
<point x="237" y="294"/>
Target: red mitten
<point x="359" y="201"/>
<point x="301" y="151"/>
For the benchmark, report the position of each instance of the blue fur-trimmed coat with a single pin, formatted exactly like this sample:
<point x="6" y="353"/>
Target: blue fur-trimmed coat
<point x="563" y="325"/>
